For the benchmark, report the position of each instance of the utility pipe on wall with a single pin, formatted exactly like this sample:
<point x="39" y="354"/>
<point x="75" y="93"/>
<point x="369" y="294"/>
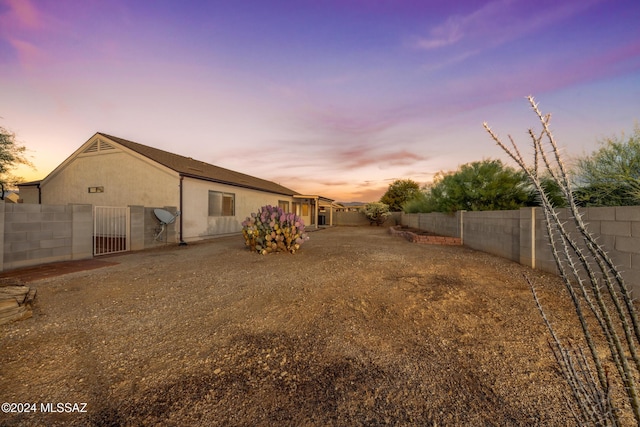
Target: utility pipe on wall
<point x="182" y="242"/>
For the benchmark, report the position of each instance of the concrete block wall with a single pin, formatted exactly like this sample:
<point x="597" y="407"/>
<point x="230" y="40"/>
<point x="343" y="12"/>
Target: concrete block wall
<point x="617" y="229"/>
<point x="436" y="222"/>
<point x="495" y="232"/>
<point x="359" y="219"/>
<point x="136" y="224"/>
<point x="33" y="234"/>
<point x="446" y="224"/>
<point x="522" y="236"/>
<point x="81" y="231"/>
<point x="36" y="234"/>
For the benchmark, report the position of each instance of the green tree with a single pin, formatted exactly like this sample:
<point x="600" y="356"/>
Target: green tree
<point x="421" y="202"/>
<point x="11" y="155"/>
<point x="400" y="191"/>
<point x="477" y="186"/>
<point x="610" y="176"/>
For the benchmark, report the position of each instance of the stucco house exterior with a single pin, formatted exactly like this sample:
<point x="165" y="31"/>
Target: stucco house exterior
<point x="213" y="201"/>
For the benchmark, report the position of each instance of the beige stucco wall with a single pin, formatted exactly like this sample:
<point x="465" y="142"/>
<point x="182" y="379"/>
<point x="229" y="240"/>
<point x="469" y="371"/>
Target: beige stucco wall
<point x="196" y="220"/>
<point x="29" y="194"/>
<point x="126" y="179"/>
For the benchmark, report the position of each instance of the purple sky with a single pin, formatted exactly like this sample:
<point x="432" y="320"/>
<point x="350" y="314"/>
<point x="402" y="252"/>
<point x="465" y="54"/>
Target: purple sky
<point x="330" y="97"/>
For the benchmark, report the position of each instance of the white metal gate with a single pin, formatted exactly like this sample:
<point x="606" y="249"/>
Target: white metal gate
<point x="111" y="229"/>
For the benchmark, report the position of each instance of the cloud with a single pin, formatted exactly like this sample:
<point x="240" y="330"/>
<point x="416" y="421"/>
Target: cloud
<point x="23" y="25"/>
<point x="29" y="55"/>
<point x="21" y="14"/>
<point x="460" y="27"/>
<point x="494" y="24"/>
<point x="443" y="35"/>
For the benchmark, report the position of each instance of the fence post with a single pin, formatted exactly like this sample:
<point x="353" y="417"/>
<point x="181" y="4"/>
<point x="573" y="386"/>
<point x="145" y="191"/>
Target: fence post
<point x="533" y="238"/>
<point x="2" y="235"/>
<point x="462" y="227"/>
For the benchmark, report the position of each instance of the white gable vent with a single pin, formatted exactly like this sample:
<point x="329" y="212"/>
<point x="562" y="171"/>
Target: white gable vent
<point x="98" y="145"/>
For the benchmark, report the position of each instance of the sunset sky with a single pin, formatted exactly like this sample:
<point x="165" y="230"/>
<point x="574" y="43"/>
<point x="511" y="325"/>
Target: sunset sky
<point x="330" y="97"/>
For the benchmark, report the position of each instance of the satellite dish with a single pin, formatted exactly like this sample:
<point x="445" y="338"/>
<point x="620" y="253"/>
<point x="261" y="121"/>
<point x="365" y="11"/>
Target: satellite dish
<point x="165" y="217"/>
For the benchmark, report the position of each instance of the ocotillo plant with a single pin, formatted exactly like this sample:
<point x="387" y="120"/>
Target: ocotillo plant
<point x="272" y="229"/>
<point x="603" y="303"/>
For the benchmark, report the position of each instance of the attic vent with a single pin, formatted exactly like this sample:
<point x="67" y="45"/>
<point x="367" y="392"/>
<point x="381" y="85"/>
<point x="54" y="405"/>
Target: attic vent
<point x="92" y="148"/>
<point x="105" y="145"/>
<point x="99" y="145"/>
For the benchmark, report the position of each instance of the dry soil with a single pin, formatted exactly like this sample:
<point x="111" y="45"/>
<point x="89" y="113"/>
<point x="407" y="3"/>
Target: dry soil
<point x="357" y="328"/>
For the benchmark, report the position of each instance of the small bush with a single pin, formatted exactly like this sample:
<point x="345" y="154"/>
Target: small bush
<point x="376" y="212"/>
<point x="273" y="230"/>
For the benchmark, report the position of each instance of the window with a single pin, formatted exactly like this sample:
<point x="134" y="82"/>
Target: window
<point x="221" y="204"/>
<point x="284" y="205"/>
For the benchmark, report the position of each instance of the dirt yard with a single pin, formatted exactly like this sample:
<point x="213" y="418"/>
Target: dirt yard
<point x="358" y="328"/>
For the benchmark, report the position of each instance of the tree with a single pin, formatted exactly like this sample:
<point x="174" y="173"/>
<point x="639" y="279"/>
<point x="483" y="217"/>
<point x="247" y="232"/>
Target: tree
<point x="11" y="155"/>
<point x="421" y="202"/>
<point x="610" y="176"/>
<point x="479" y="186"/>
<point x="399" y="192"/>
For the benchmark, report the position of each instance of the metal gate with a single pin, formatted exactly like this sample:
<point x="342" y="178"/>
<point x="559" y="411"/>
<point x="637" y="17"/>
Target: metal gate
<point x="111" y="229"/>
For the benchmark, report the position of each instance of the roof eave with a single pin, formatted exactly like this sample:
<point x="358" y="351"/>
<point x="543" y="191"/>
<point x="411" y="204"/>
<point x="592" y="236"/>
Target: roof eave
<point x="235" y="184"/>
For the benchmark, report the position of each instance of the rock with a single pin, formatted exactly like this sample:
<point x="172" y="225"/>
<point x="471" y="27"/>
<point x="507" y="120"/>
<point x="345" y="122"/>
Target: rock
<point x="15" y="302"/>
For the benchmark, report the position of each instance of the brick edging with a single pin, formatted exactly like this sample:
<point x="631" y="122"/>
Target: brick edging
<point x="427" y="240"/>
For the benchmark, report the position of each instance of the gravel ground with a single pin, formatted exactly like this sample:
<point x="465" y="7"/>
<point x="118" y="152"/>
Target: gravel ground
<point x="357" y="328"/>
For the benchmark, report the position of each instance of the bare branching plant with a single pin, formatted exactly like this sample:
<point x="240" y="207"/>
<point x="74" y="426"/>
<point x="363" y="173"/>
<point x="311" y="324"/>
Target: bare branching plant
<point x="603" y="303"/>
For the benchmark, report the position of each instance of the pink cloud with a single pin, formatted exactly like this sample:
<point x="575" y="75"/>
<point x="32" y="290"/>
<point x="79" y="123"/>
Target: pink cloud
<point x="362" y="156"/>
<point x="23" y="14"/>
<point x="23" y="25"/>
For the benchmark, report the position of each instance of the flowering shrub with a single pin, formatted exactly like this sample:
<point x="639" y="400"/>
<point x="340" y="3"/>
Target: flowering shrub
<point x="273" y="230"/>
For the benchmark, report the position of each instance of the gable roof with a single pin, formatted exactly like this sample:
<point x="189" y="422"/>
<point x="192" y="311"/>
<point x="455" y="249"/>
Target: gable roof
<point x="186" y="166"/>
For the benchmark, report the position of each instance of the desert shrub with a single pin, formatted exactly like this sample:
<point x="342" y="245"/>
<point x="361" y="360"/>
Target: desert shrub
<point x="610" y="176"/>
<point x="376" y="212"/>
<point x="272" y="229"/>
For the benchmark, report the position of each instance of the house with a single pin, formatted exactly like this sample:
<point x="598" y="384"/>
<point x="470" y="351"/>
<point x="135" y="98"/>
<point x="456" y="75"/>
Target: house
<point x="10" y="196"/>
<point x="212" y="201"/>
<point x="350" y="206"/>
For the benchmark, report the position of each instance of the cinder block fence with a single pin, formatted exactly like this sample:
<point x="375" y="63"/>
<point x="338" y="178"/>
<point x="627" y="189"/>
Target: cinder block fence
<point x="36" y="234"/>
<point x="521" y="235"/>
<point x="33" y="234"/>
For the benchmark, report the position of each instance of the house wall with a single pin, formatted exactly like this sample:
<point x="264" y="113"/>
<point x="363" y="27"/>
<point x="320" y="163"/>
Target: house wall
<point x="126" y="179"/>
<point x="29" y="194"/>
<point x="196" y="220"/>
<point x="522" y="236"/>
<point x="149" y="226"/>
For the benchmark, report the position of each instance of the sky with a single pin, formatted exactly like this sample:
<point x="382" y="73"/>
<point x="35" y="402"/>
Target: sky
<point x="332" y="97"/>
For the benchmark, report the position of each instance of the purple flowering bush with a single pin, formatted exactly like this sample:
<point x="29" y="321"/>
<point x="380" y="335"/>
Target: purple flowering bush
<point x="273" y="230"/>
